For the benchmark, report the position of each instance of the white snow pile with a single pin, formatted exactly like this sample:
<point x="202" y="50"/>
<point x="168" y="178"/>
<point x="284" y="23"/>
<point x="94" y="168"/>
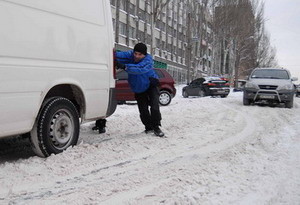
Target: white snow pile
<point x="217" y="151"/>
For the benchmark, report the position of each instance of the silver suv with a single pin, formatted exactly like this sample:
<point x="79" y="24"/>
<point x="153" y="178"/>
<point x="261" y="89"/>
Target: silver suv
<point x="272" y="85"/>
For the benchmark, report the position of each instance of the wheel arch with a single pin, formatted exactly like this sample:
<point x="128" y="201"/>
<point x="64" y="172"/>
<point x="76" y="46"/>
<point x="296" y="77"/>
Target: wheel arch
<point x="71" y="92"/>
<point x="167" y="90"/>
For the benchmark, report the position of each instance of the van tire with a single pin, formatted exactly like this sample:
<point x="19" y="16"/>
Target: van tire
<point x="56" y="127"/>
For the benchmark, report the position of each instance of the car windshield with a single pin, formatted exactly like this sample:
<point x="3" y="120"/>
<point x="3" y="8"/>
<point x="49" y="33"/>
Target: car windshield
<point x="270" y="74"/>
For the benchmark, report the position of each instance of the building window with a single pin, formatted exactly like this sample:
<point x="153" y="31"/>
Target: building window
<point x="141" y="14"/>
<point x="140" y="35"/>
<point x="122" y="28"/>
<point x="163" y="44"/>
<point x="114" y="24"/>
<point x="148" y="39"/>
<point x="123" y="5"/>
<point x="131" y="32"/>
<point x="148" y="17"/>
<point x="157" y="41"/>
<point x="113" y="2"/>
<point x="131" y="9"/>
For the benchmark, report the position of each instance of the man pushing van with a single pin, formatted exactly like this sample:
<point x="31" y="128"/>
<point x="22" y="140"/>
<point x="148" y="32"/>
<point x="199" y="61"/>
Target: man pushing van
<point x="143" y="82"/>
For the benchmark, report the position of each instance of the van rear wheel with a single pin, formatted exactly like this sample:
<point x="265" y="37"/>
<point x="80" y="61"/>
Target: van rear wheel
<point x="56" y="128"/>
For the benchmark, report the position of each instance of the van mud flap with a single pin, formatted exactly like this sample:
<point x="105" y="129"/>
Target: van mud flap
<point x="112" y="105"/>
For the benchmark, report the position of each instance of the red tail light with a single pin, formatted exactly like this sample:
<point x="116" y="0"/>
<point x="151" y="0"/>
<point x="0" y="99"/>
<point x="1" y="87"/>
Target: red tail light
<point x="227" y="84"/>
<point x="114" y="64"/>
<point x="211" y="84"/>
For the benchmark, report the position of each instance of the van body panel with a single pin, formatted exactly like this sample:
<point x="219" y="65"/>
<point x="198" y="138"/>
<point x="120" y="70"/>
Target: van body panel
<point x="49" y="43"/>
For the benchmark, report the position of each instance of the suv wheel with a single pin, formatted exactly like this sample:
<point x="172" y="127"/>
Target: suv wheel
<point x="164" y="98"/>
<point x="56" y="128"/>
<point x="289" y="104"/>
<point x="246" y="101"/>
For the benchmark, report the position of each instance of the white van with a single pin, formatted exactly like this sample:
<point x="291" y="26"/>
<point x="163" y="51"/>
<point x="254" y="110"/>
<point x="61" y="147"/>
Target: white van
<point x="56" y="69"/>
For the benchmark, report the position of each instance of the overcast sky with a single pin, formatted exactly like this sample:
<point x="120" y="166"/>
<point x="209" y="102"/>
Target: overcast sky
<point x="283" y="23"/>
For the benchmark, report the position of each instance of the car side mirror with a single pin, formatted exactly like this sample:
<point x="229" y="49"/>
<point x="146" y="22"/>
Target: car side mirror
<point x="294" y="78"/>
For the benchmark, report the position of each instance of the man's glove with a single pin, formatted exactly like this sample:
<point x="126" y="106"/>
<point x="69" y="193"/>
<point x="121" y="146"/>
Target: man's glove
<point x="120" y="65"/>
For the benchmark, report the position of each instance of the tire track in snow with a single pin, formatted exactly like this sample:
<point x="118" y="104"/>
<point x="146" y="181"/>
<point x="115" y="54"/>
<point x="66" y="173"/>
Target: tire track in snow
<point x="152" y="158"/>
<point x="127" y="168"/>
<point x="200" y="151"/>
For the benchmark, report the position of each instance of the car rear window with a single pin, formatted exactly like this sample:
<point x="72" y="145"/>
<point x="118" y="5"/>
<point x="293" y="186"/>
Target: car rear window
<point x="270" y="74"/>
<point x="198" y="81"/>
<point x="159" y="73"/>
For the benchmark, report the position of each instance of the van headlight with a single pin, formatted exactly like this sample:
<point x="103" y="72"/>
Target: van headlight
<point x="251" y="85"/>
<point x="286" y="87"/>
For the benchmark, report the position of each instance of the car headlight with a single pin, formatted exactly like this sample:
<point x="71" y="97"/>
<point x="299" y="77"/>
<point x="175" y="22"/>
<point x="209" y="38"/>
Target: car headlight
<point x="250" y="85"/>
<point x="286" y="87"/>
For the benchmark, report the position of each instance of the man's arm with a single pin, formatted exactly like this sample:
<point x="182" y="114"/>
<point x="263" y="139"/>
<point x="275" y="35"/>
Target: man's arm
<point x="124" y="57"/>
<point x="140" y="68"/>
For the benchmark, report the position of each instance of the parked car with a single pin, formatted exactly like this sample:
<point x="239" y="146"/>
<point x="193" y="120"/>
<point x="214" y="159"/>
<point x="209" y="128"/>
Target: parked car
<point x="271" y="85"/>
<point x="56" y="70"/>
<point x="240" y="86"/>
<point x="166" y="87"/>
<point x="298" y="91"/>
<point x="207" y="86"/>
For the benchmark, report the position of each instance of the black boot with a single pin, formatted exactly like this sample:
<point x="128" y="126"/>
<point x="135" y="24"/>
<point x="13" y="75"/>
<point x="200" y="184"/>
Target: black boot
<point x="100" y="126"/>
<point x="158" y="132"/>
<point x="148" y="129"/>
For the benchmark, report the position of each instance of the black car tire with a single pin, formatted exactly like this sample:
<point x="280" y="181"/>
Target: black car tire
<point x="121" y="102"/>
<point x="184" y="94"/>
<point x="224" y="96"/>
<point x="165" y="98"/>
<point x="56" y="127"/>
<point x="202" y="93"/>
<point x="246" y="101"/>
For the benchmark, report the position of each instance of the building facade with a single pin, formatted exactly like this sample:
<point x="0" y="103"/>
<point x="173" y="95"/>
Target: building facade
<point x="179" y="31"/>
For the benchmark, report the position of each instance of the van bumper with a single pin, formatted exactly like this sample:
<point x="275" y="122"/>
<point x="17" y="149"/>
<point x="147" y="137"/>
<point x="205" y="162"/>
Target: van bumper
<point x="112" y="102"/>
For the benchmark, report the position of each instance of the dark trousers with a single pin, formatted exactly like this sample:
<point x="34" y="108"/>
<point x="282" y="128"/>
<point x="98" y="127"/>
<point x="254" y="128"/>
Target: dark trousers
<point x="149" y="98"/>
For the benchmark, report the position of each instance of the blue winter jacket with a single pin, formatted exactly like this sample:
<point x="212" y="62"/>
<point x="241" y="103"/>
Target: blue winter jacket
<point x="138" y="72"/>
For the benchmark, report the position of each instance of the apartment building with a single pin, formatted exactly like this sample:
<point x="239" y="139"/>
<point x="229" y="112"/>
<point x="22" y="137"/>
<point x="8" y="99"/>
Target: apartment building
<point x="167" y="35"/>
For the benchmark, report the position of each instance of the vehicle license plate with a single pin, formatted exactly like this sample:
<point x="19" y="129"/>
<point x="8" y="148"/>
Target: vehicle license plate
<point x="221" y="91"/>
<point x="267" y="96"/>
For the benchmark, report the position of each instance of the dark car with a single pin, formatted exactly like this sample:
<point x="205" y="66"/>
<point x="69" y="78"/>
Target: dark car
<point x="166" y="87"/>
<point x="208" y="86"/>
<point x="298" y="91"/>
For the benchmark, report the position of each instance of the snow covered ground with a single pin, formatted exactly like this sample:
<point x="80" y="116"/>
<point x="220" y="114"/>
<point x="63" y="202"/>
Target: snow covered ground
<point x="217" y="151"/>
